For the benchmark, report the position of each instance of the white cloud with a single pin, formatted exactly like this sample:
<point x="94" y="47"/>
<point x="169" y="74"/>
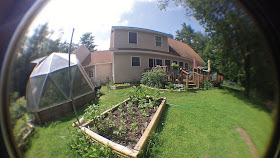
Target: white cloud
<point x="85" y="16"/>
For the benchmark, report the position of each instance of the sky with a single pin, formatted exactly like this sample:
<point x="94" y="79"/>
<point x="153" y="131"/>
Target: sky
<point x="98" y="17"/>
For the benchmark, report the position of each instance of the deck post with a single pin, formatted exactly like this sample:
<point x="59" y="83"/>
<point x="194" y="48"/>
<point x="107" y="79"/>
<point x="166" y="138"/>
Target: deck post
<point x="198" y="80"/>
<point x="187" y="81"/>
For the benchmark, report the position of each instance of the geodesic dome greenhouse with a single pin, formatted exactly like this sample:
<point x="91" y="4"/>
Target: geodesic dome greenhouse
<point x="48" y="84"/>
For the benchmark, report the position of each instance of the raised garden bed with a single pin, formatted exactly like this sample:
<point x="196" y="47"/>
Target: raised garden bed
<point x="121" y="86"/>
<point x="125" y="128"/>
<point x="172" y="90"/>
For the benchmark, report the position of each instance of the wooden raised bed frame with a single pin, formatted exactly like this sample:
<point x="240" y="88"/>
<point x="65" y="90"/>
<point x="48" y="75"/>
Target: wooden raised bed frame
<point x="120" y="149"/>
<point x="123" y="86"/>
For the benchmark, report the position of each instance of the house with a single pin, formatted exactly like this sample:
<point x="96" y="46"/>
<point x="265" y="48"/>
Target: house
<point x="98" y="65"/>
<point x="133" y="50"/>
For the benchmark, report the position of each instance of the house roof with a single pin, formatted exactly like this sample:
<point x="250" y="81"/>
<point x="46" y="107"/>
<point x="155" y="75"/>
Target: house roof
<point x="98" y="57"/>
<point x="184" y="50"/>
<point x="140" y="29"/>
<point x="176" y="48"/>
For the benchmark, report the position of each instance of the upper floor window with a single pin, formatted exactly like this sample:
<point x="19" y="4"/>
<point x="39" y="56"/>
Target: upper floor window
<point x="135" y="61"/>
<point x="158" y="40"/>
<point x="132" y="37"/>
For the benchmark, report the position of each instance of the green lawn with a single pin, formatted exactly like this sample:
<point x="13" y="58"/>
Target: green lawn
<point x="185" y="131"/>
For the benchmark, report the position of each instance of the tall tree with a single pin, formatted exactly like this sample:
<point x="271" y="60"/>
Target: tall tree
<point x="194" y="39"/>
<point x="88" y="40"/>
<point x="232" y="32"/>
<point x="36" y="46"/>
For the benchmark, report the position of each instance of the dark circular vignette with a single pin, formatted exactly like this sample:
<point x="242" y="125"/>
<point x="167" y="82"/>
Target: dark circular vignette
<point x="266" y="15"/>
<point x="18" y="14"/>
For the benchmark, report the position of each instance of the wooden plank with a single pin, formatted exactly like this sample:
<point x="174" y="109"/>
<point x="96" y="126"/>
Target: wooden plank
<point x="152" y="125"/>
<point x="111" y="144"/>
<point x="120" y="148"/>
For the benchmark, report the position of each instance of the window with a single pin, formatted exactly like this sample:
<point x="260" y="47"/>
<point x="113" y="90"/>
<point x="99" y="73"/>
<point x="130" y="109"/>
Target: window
<point x="158" y="40"/>
<point x="135" y="61"/>
<point x="132" y="37"/>
<point x="181" y="64"/>
<point x="187" y="66"/>
<point x="151" y="63"/>
<point x="167" y="63"/>
<point x="158" y="62"/>
<point x="90" y="74"/>
<point x="174" y="61"/>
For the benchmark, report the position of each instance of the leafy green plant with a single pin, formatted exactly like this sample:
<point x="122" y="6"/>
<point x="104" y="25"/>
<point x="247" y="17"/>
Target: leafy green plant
<point x="92" y="112"/>
<point x="169" y="86"/>
<point x="156" y="78"/>
<point x="85" y="147"/>
<point x="119" y="131"/>
<point x="206" y="85"/>
<point x="134" y="126"/>
<point x="144" y="113"/>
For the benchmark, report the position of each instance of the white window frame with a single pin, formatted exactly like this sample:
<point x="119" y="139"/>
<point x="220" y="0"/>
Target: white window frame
<point x="139" y="61"/>
<point x="156" y="41"/>
<point x="90" y="72"/>
<point x="136" y="37"/>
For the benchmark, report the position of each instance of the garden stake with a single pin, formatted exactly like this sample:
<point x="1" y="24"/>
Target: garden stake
<point x="69" y="73"/>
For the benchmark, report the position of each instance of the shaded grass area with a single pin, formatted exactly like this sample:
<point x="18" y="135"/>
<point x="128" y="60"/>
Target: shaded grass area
<point x="208" y="131"/>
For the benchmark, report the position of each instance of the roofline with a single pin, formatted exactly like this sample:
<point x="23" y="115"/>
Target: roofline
<point x="157" y="53"/>
<point x="140" y="29"/>
<point x="85" y="66"/>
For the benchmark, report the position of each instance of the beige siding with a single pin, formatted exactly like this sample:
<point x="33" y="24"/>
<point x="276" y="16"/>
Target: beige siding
<point x="145" y="40"/>
<point x="101" y="71"/>
<point x="104" y="71"/>
<point x="124" y="72"/>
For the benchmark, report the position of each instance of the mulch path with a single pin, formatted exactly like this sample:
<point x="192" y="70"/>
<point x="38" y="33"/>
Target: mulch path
<point x="249" y="142"/>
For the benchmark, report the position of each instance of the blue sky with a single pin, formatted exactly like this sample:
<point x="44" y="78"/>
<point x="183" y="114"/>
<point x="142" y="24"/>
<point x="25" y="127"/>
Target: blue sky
<point x="147" y="15"/>
<point x="99" y="16"/>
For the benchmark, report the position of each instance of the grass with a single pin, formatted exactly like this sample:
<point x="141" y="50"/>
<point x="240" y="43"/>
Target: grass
<point x="210" y="131"/>
<point x="185" y="131"/>
<point x="53" y="139"/>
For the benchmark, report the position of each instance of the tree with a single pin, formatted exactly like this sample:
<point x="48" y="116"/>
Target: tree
<point x="195" y="40"/>
<point x="233" y="33"/>
<point x="31" y="48"/>
<point x="88" y="40"/>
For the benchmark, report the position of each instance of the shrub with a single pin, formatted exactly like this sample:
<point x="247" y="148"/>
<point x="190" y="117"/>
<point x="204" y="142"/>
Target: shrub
<point x="169" y="86"/>
<point x="206" y="85"/>
<point x="17" y="110"/>
<point x="154" y="78"/>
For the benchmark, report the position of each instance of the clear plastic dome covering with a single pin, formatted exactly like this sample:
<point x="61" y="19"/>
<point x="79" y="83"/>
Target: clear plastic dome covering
<point x="48" y="84"/>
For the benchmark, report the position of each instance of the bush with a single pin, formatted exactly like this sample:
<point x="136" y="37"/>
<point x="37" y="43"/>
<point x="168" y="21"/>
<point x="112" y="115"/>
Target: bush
<point x="206" y="85"/>
<point x="17" y="110"/>
<point x="154" y="78"/>
<point x="169" y="86"/>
